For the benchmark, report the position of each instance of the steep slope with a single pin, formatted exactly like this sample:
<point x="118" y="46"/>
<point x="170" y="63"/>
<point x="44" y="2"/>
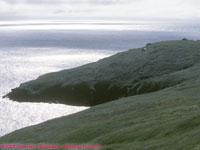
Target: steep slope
<point x="134" y="72"/>
<point x="162" y="120"/>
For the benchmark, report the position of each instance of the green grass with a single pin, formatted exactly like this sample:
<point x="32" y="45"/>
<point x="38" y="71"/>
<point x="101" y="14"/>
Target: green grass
<point x="166" y="119"/>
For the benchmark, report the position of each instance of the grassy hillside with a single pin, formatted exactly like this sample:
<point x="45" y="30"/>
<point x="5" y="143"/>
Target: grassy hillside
<point x="163" y="120"/>
<point x="134" y="72"/>
<point x="167" y="118"/>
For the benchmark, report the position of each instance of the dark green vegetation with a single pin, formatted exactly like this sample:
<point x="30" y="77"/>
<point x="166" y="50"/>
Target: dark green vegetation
<point x="134" y="72"/>
<point x="164" y="116"/>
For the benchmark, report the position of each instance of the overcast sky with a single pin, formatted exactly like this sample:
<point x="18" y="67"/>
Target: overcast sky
<point x="99" y="9"/>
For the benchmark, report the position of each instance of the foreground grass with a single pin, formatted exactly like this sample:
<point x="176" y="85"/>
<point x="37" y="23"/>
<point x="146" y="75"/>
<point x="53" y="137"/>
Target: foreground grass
<point x="167" y="119"/>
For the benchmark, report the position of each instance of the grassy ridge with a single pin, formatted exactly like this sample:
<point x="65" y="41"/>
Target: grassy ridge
<point x="134" y="72"/>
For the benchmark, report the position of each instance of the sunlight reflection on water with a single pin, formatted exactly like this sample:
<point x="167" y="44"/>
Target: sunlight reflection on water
<point x="21" y="65"/>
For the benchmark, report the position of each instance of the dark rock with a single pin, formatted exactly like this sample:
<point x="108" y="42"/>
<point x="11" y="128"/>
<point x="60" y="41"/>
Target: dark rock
<point x="185" y="39"/>
<point x="148" y="44"/>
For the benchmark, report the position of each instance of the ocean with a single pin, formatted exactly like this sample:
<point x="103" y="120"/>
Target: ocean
<point x="31" y="48"/>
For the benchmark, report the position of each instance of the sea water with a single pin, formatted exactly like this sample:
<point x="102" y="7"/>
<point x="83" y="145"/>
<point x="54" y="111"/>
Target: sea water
<point x="30" y="49"/>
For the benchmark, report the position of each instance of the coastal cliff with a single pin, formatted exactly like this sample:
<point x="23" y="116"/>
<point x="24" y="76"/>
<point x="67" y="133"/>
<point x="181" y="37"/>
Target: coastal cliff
<point x="162" y="114"/>
<point x="137" y="71"/>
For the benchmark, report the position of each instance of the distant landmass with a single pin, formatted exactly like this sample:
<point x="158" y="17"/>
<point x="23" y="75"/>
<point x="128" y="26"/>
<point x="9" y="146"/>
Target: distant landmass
<point x="145" y="98"/>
